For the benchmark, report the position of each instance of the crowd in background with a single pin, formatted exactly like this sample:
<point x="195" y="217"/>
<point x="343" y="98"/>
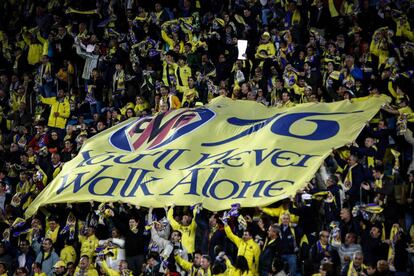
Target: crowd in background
<point x="70" y="69"/>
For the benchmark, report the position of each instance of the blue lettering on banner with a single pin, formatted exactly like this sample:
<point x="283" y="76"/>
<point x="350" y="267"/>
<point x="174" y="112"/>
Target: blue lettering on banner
<point x="325" y="129"/>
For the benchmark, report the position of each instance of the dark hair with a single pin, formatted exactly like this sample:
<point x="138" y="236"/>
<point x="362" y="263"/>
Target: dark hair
<point x="249" y="230"/>
<point x="334" y="178"/>
<point x="328" y="267"/>
<point x="218" y="268"/>
<point x="25" y="241"/>
<point x="154" y="255"/>
<point x="52" y="218"/>
<point x="241" y="263"/>
<point x="207" y="257"/>
<point x="379" y="168"/>
<point x="23" y="270"/>
<point x="197" y="252"/>
<point x="130" y="109"/>
<point x="277" y="264"/>
<point x="178" y="232"/>
<point x="166" y="87"/>
<point x="134" y="218"/>
<point x="85" y="256"/>
<point x="49" y="240"/>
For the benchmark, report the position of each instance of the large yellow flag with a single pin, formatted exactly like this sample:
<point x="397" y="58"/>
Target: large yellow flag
<point x="223" y="153"/>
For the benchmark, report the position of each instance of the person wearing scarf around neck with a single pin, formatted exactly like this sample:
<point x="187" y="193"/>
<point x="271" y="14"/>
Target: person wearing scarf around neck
<point x="199" y="267"/>
<point x="321" y="250"/>
<point x="47" y="258"/>
<point x="270" y="250"/>
<point x="85" y="267"/>
<point x="353" y="175"/>
<point x="355" y="267"/>
<point x="53" y="229"/>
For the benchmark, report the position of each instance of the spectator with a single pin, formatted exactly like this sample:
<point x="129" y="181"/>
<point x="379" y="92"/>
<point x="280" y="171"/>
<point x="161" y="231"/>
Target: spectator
<point x="47" y="258"/>
<point x="288" y="244"/>
<point x="60" y="111"/>
<point x="187" y="227"/>
<point x="355" y="265"/>
<point x="85" y="267"/>
<point x="246" y="247"/>
<point x="271" y="249"/>
<point x="26" y="255"/>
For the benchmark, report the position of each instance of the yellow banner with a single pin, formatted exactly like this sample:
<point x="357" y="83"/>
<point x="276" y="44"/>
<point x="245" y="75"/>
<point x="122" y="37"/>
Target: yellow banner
<point x="223" y="153"/>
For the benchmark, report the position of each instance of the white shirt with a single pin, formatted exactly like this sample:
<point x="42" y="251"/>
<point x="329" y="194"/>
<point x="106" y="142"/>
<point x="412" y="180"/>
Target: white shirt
<point x="22" y="260"/>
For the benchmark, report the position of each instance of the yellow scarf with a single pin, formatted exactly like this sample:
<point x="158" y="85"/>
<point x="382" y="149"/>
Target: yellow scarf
<point x="393" y="236"/>
<point x="134" y="229"/>
<point x="52" y="234"/>
<point x="296" y="17"/>
<point x="378" y="183"/>
<point x="348" y="177"/>
<point x="71" y="10"/>
<point x="303" y="240"/>
<point x="352" y="271"/>
<point x="332" y="9"/>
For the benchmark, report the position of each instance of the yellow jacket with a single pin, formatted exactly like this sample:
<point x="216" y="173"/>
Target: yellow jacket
<point x="35" y="51"/>
<point x="111" y="272"/>
<point x="232" y="271"/>
<point x="182" y="74"/>
<point x="91" y="271"/>
<point x="68" y="254"/>
<point x="16" y="100"/>
<point x="249" y="249"/>
<point x="57" y="106"/>
<point x="172" y="101"/>
<point x="141" y="107"/>
<point x="187" y="91"/>
<point x="278" y="212"/>
<point x="168" y="70"/>
<point x="88" y="245"/>
<point x="24" y="188"/>
<point x="53" y="235"/>
<point x="188" y="232"/>
<point x="190" y="268"/>
<point x="268" y="47"/>
<point x="170" y="42"/>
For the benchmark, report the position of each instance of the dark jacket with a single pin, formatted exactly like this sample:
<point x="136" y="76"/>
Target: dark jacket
<point x="287" y="242"/>
<point x="373" y="248"/>
<point x="135" y="243"/>
<point x="269" y="252"/>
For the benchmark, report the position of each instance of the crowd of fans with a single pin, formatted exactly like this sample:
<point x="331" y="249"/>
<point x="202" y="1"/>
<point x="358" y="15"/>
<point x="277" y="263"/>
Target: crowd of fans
<point x="71" y="69"/>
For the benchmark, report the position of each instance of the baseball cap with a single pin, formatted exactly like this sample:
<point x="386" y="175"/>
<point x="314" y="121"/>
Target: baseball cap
<point x="265" y="34"/>
<point x="59" y="264"/>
